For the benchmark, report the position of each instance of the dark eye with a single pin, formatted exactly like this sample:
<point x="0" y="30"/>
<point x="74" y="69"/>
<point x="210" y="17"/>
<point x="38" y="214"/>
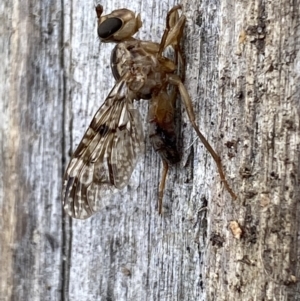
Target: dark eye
<point x="109" y="27"/>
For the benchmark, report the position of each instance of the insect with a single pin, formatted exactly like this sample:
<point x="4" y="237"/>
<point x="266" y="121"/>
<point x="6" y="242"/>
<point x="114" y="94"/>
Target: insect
<point x="107" y="154"/>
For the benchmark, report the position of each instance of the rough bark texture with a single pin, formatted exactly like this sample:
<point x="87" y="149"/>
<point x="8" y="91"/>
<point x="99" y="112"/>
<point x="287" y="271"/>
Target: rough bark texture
<point x="243" y="76"/>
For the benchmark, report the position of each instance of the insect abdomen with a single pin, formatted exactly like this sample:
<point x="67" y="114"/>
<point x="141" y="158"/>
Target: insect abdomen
<point x="165" y="143"/>
<point x="162" y="131"/>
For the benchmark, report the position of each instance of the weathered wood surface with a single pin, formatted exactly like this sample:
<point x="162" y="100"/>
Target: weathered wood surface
<point x="243" y="76"/>
<point x="251" y="83"/>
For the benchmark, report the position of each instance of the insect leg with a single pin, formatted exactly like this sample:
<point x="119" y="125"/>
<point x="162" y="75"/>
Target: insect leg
<point x="173" y="31"/>
<point x="175" y="80"/>
<point x="162" y="185"/>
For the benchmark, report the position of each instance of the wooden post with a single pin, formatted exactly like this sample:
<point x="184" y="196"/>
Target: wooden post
<point x="242" y="72"/>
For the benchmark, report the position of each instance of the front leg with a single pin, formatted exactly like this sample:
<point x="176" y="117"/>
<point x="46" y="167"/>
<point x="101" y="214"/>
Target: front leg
<point x="173" y="33"/>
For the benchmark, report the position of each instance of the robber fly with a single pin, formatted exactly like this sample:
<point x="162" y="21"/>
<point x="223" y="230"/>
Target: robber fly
<point x="107" y="154"/>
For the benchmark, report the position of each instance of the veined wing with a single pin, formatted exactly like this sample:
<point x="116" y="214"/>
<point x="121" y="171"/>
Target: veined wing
<point x="106" y="156"/>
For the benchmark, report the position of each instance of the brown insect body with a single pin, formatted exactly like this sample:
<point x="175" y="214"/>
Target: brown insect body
<point x="148" y="75"/>
<point x="110" y="148"/>
<point x="162" y="130"/>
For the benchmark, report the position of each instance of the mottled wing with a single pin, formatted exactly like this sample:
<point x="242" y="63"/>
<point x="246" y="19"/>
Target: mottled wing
<point x="106" y="156"/>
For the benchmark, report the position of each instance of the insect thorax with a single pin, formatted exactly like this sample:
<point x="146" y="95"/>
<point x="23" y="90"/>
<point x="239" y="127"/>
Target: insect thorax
<point x="147" y="72"/>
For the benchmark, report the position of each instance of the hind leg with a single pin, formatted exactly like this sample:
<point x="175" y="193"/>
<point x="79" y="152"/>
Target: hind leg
<point x="175" y="80"/>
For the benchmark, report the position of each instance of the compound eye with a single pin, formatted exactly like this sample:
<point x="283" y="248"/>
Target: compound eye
<point x="109" y="27"/>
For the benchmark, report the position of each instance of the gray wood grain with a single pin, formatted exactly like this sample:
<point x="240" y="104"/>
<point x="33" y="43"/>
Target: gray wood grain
<point x="242" y="72"/>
